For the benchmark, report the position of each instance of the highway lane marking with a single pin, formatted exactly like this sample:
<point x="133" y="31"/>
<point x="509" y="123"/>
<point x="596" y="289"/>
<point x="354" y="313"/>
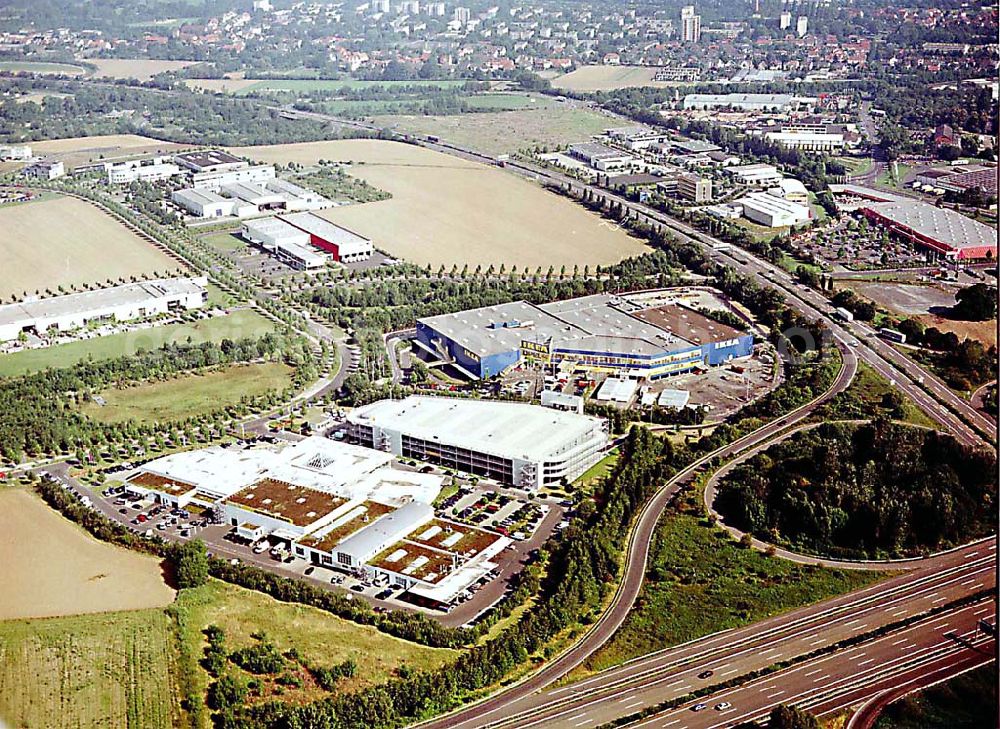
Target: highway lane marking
<point x="640" y="702"/>
<point x="900" y="611"/>
<point x="865" y="663"/>
<point x="775" y="694"/>
<point x="970" y="555"/>
<point x="627" y="698"/>
<point x="671" y="723"/>
<point x="901" y="640"/>
<point x="980" y="612"/>
<point x="818" y="641"/>
<point x="945" y="624"/>
<point x="824" y="677"/>
<point x="940" y="599"/>
<point x="728" y="672"/>
<point x="813" y="672"/>
<point x="861" y="627"/>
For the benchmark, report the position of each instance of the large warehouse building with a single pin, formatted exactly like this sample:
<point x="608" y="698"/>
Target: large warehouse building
<point x="600" y="333"/>
<point x="524" y="445"/>
<point x="285" y="242"/>
<point x="337" y="505"/>
<point x="345" y="245"/>
<point x="772" y="211"/>
<point x="945" y="233"/>
<point x="119" y="303"/>
<point x="294" y="239"/>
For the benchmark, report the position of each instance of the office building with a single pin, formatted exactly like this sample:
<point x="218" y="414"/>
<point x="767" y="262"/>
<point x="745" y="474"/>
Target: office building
<point x="690" y="25"/>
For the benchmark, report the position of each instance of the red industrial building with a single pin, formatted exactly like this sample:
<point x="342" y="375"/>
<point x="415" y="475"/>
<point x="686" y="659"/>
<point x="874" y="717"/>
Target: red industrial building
<point x="946" y="233"/>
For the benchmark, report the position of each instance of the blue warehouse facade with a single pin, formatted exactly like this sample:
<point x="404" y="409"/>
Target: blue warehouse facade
<point x="600" y="334"/>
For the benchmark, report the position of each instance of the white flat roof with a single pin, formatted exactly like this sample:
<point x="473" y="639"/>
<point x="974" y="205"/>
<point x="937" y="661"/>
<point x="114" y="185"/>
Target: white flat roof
<point x="315" y="462"/>
<point x="765" y="202"/>
<point x="942" y="224"/>
<point x="617" y="390"/>
<point x="513" y="430"/>
<point x="347" y="241"/>
<point x="100" y="300"/>
<point x="199" y="197"/>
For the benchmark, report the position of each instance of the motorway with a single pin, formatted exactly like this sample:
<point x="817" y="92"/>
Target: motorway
<point x="932" y="648"/>
<point x="674" y="673"/>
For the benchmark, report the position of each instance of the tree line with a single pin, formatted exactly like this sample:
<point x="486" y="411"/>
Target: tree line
<point x="39" y="412"/>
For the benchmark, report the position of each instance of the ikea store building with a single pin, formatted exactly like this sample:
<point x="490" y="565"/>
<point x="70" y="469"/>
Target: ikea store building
<point x="599" y="333"/>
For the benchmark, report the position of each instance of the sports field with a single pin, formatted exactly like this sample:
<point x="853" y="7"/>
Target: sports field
<point x="141" y="69"/>
<point x="66" y="242"/>
<point x="240" y="323"/>
<point x="555" y="125"/>
<point x="446" y="210"/>
<point x="606" y="78"/>
<point x="188" y="395"/>
<point x="108" y="670"/>
<point x="52" y="567"/>
<point x="44" y="69"/>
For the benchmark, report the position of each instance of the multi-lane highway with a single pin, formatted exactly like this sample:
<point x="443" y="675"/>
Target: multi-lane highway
<point x="677" y="672"/>
<point x="933" y="648"/>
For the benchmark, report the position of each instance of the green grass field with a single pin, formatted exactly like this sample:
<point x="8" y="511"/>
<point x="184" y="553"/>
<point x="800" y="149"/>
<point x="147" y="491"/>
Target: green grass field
<point x="320" y="638"/>
<point x="241" y="323"/>
<point x="306" y="85"/>
<point x="42" y="68"/>
<point x="548" y="127"/>
<point x="189" y="395"/>
<point x="700" y="581"/>
<point x="225" y="242"/>
<point x="105" y="670"/>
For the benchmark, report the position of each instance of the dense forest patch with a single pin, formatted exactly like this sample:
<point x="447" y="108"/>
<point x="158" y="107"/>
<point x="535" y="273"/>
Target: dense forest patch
<point x="863" y="491"/>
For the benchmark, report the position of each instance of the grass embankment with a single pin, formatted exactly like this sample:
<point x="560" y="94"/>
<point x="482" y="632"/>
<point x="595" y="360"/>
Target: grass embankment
<point x="321" y="639"/>
<point x="241" y="323"/>
<point x="112" y="670"/>
<point x="869" y="394"/>
<point x="189" y="395"/>
<point x="968" y="701"/>
<point x="699" y="581"/>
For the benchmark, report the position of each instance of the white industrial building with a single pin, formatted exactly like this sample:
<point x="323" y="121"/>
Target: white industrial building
<point x="45" y="169"/>
<point x="773" y="212"/>
<point x="755" y="175"/>
<point x="618" y="390"/>
<point x="748" y="102"/>
<point x="245" y="199"/>
<point x="203" y="203"/>
<point x="119" y="303"/>
<point x="601" y="157"/>
<point x="515" y="443"/>
<point x="809" y="141"/>
<point x="209" y="160"/>
<point x="145" y="170"/>
<point x="345" y="245"/>
<point x="790" y="189"/>
<point x="337" y="505"/>
<point x="213" y="180"/>
<point x="285" y="242"/>
<point x="15" y="151"/>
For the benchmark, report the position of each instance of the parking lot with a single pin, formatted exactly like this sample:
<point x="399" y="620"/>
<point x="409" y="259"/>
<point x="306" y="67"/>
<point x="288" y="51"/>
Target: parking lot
<point x="484" y="504"/>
